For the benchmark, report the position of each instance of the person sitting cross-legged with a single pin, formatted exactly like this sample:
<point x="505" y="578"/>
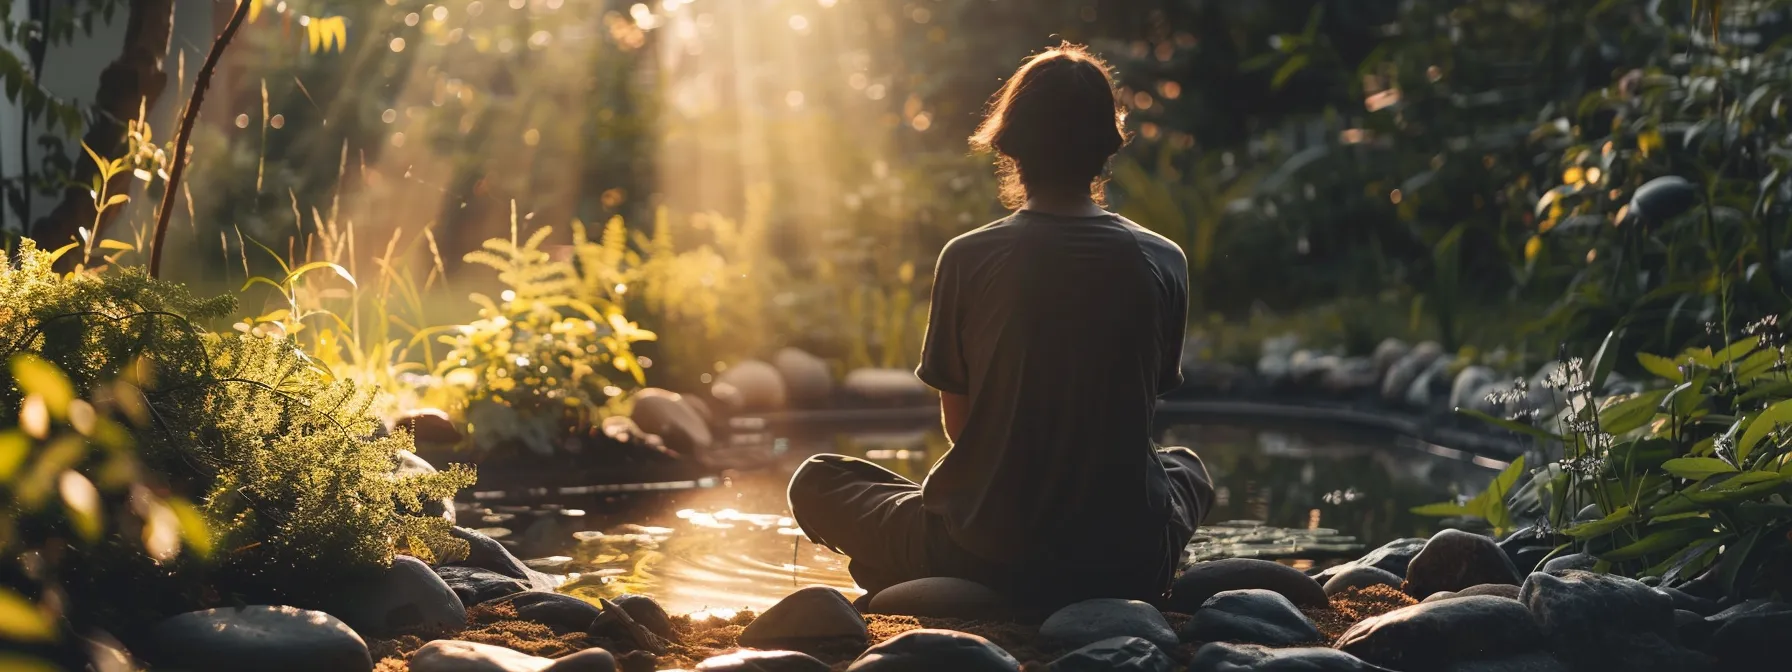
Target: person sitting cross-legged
<point x="1051" y="334"/>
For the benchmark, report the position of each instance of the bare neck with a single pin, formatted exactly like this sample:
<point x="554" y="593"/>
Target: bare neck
<point x="1067" y="204"/>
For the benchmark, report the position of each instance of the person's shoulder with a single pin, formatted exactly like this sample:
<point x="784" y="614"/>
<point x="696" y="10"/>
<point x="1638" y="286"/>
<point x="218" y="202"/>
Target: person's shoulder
<point x="969" y="242"/>
<point x="1154" y="242"/>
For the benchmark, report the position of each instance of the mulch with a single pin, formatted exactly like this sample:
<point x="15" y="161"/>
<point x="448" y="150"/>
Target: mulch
<point x="700" y="639"/>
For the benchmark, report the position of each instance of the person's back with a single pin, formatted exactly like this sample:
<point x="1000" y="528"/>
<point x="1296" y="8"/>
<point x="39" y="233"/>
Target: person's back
<point x="1062" y="331"/>
<point x="1050" y="335"/>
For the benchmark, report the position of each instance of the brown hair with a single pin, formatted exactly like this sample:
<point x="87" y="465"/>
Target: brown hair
<point x="1054" y="125"/>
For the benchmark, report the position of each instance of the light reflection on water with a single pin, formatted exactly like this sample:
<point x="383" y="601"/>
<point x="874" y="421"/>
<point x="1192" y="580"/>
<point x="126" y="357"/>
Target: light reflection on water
<point x="1302" y="497"/>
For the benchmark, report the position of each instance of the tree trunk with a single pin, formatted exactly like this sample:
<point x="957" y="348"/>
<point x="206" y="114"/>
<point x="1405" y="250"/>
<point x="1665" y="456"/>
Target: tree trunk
<point x="134" y="81"/>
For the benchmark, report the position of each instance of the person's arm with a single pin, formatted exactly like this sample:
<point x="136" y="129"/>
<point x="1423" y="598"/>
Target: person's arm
<point x="953" y="408"/>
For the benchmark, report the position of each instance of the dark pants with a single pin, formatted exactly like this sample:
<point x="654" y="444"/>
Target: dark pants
<point x="875" y="517"/>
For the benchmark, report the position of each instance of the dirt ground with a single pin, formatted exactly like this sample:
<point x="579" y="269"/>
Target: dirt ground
<point x="700" y="639"/>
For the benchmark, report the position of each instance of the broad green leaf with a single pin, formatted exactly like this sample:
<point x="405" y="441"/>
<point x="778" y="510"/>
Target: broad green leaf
<point x="39" y="377"/>
<point x="1775" y="415"/>
<point x="1660" y="366"/>
<point x="22" y="621"/>
<point x="1736" y="351"/>
<point x="1631" y="413"/>
<point x="110" y="244"/>
<point x="1658" y="542"/>
<point x="193" y="529"/>
<point x="1618" y="518"/>
<point x="1726" y="488"/>
<point x="1775" y="389"/>
<point x="14" y="447"/>
<point x="1686" y="398"/>
<point x="83" y="502"/>
<point x="1603" y="360"/>
<point x="1441" y="510"/>
<point x="1503" y="423"/>
<point x="1695" y="468"/>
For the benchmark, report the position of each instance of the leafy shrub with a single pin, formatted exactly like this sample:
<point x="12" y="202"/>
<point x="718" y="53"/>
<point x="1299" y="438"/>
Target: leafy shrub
<point x="539" y="364"/>
<point x="280" y="458"/>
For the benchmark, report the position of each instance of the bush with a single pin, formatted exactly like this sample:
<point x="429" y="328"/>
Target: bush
<point x="283" y="462"/>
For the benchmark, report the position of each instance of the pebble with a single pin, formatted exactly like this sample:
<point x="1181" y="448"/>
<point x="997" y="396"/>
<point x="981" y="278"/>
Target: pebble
<point x="448" y="655"/>
<point x="268" y="638"/>
<point x="486" y="553"/>
<point x="1091" y="621"/>
<point x="935" y="650"/>
<point x="1115" y="654"/>
<point x="815" y="612"/>
<point x="1437" y="635"/>
<point x="1252" y="616"/>
<point x="406" y="596"/>
<point x="647" y="612"/>
<point x="1203" y="580"/>
<point x="564" y="614"/>
<point x="1454" y="560"/>
<point x="1225" y="657"/>
<point x="941" y="596"/>
<point x="478" y="586"/>
<point x="749" y="660"/>
<point x="1392" y="557"/>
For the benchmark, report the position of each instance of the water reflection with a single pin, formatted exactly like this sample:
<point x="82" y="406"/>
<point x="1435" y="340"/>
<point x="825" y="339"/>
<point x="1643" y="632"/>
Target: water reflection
<point x="1296" y="496"/>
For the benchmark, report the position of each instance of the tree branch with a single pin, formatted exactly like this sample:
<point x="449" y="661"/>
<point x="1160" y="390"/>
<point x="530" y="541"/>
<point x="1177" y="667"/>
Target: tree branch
<point x="179" y="169"/>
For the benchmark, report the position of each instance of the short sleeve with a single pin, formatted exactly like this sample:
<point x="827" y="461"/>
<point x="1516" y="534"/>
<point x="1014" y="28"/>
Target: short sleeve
<point x="1175" y="321"/>
<point x="942" y="353"/>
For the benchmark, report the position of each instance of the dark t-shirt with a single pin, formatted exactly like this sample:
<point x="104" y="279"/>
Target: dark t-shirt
<point x="1062" y="331"/>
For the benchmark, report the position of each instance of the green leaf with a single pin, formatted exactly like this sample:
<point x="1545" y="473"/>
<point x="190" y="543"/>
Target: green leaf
<point x="1735" y="351"/>
<point x="1503" y="423"/>
<point x="193" y="530"/>
<point x="39" y="377"/>
<point x="14" y="447"/>
<point x="1695" y="468"/>
<point x="1660" y="366"/>
<point x="1615" y="520"/>
<point x="1441" y="510"/>
<point x="1661" y="541"/>
<point x="22" y="621"/>
<point x="1603" y="360"/>
<point x="1289" y="69"/>
<point x="320" y="265"/>
<point x="1631" y="413"/>
<point x="1775" y="415"/>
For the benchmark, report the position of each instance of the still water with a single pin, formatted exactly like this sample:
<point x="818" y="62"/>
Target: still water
<point x="1295" y="495"/>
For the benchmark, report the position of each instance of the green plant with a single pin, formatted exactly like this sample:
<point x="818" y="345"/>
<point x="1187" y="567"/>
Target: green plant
<point x="282" y="459"/>
<point x="539" y="366"/>
<point x="75" y="487"/>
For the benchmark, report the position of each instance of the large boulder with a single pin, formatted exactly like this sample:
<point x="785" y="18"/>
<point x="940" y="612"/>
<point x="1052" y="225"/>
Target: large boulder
<point x="1749" y="636"/>
<point x="1091" y="621"/>
<point x="1406" y="369"/>
<point x="1252" y="616"/>
<point x="645" y="611"/>
<point x="1468" y="383"/>
<point x="928" y="649"/>
<point x="1115" y="654"/>
<point x="1361" y="577"/>
<point x="1439" y="635"/>
<point x="749" y="660"/>
<point x="448" y="655"/>
<point x="1391" y="557"/>
<point x="750" y="386"/>
<point x="807" y="378"/>
<point x="486" y="553"/>
<point x="270" y="638"/>
<point x="809" y="614"/>
<point x="671" y="417"/>
<point x="1226" y="657"/>
<point x="1206" y="579"/>
<point x="406" y="596"/>
<point x="1454" y="560"/>
<point x="1601" y="622"/>
<point x="476" y="586"/>
<point x="886" y="387"/>
<point x="564" y="614"/>
<point x="429" y="425"/>
<point x="942" y="596"/>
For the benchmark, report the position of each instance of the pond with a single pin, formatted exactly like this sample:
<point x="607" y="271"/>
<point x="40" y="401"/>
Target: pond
<point x="1298" y="495"/>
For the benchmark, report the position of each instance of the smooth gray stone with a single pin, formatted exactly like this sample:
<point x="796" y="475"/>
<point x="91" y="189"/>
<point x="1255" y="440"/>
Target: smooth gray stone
<point x="935" y="651"/>
<point x="267" y="638"/>
<point x="1091" y="621"/>
<point x="406" y="596"/>
<point x="816" y="612"/>
<point x="1454" y="560"/>
<point x="1115" y="654"/>
<point x="1206" y="579"/>
<point x="942" y="596"/>
<point x="749" y="660"/>
<point x="1361" y="577"/>
<point x="1225" y="657"/>
<point x="1436" y="635"/>
<point x="448" y="655"/>
<point x="1253" y="616"/>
